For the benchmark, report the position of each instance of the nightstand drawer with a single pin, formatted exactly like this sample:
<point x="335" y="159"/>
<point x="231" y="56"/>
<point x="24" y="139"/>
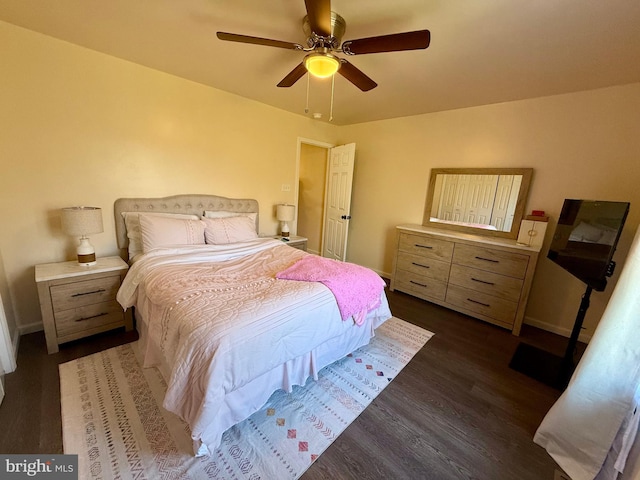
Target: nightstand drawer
<point x="88" y="317"/>
<point x="84" y="292"/>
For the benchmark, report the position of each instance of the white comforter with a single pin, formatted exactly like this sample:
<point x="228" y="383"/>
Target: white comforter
<point x="222" y="320"/>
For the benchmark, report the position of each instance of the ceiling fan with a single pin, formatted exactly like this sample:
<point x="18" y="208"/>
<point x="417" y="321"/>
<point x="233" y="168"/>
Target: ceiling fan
<point x="324" y="30"/>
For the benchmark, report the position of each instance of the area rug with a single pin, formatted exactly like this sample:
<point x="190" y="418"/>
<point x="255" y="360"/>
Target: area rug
<point x="112" y="415"/>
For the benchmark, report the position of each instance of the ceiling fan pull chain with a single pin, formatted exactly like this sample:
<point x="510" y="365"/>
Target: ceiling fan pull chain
<point x="306" y="108"/>
<point x="333" y="84"/>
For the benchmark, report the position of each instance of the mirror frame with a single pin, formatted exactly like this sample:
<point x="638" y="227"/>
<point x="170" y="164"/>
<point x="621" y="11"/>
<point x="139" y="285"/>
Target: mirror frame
<point x="526" y="173"/>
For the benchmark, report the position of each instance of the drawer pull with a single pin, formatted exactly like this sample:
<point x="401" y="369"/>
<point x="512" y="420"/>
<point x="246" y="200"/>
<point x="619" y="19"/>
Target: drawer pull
<point x="423" y="246"/>
<point x="419" y="284"/>
<point x="82" y="319"/>
<point x="420" y="265"/>
<point x="479" y="303"/>
<point x="101" y="290"/>
<point x="482" y="281"/>
<point x="488" y="259"/>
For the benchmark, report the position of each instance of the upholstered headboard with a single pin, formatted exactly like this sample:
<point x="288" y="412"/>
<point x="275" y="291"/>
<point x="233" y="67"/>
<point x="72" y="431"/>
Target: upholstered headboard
<point x="186" y="204"/>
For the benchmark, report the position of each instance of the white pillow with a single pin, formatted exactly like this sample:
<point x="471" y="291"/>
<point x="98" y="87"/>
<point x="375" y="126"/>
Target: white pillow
<point x="165" y="232"/>
<point x="226" y="214"/>
<point x="132" y="223"/>
<point x="225" y="230"/>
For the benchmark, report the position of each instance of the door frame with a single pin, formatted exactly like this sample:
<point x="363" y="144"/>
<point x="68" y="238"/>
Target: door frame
<point x="315" y="143"/>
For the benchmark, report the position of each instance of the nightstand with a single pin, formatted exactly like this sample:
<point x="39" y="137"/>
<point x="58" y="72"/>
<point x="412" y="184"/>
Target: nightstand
<point x="78" y="301"/>
<point x="295" y="242"/>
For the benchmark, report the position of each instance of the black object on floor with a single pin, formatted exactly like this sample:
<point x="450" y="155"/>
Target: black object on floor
<point x="541" y="365"/>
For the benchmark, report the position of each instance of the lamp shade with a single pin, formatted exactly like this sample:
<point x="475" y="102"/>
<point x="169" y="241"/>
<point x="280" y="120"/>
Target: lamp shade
<point x="285" y="213"/>
<point x="82" y="221"/>
<point x="321" y="65"/>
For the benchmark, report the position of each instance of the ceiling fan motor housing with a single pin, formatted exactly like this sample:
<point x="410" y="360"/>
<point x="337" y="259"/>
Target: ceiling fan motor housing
<point x="338" y="27"/>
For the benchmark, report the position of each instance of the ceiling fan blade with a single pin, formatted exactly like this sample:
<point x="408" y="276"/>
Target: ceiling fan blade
<point x="388" y="43"/>
<point x="319" y="12"/>
<point x="234" y="37"/>
<point x="355" y="76"/>
<point x="293" y="76"/>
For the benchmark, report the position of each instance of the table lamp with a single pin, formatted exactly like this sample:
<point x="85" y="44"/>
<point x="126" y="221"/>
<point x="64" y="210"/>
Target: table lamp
<point x="285" y="214"/>
<point x="80" y="222"/>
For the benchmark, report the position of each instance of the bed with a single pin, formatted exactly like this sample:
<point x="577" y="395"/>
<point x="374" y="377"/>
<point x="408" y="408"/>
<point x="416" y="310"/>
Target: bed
<point x="212" y="315"/>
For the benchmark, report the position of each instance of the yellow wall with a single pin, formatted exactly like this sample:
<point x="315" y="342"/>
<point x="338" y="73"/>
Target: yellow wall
<point x="582" y="145"/>
<point x="79" y="127"/>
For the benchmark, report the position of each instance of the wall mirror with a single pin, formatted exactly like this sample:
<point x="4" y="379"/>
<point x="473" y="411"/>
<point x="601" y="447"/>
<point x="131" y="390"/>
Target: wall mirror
<point x="482" y="201"/>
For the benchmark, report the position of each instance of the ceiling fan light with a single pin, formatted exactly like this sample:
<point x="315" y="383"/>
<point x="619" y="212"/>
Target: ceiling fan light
<point x="321" y="65"/>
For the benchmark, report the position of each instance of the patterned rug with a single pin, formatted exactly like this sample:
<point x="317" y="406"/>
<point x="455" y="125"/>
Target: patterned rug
<point x="112" y="415"/>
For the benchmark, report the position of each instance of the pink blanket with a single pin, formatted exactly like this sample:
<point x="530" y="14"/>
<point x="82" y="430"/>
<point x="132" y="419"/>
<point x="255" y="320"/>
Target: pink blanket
<point x="357" y="289"/>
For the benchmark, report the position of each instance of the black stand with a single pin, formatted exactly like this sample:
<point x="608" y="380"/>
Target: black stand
<point x="546" y="367"/>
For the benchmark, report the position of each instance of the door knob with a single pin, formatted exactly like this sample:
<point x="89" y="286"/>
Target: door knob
<point x="346" y="217"/>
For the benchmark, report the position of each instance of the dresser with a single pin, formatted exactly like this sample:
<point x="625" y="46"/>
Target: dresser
<point x="484" y="277"/>
<point x="77" y="301"/>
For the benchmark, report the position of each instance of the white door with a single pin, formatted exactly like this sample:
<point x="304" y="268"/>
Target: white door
<point x="482" y="191"/>
<point x="338" y="201"/>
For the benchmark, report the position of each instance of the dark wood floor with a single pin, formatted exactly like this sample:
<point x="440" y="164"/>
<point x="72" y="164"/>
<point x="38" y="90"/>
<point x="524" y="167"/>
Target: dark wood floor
<point x="456" y="411"/>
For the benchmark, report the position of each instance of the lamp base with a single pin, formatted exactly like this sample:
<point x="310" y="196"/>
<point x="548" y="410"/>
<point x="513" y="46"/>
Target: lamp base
<point x="86" y="253"/>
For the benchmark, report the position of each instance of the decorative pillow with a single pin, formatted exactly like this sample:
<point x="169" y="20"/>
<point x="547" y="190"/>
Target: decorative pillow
<point x="166" y="232"/>
<point x="132" y="222"/>
<point x="224" y="230"/>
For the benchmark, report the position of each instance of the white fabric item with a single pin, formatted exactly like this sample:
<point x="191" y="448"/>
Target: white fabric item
<point x="580" y="428"/>
<point x="134" y="234"/>
<point x="227" y="214"/>
<point x="219" y="231"/>
<point x="160" y="232"/>
<point x="226" y="341"/>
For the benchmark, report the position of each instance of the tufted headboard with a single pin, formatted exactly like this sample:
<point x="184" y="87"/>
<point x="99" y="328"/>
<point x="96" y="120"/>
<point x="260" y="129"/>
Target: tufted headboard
<point x="187" y="204"/>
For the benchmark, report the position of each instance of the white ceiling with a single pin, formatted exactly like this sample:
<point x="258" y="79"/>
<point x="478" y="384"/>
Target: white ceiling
<point x="481" y="52"/>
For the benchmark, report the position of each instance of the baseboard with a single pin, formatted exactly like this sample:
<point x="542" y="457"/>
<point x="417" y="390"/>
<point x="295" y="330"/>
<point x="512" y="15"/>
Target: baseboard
<point x="549" y="327"/>
<point x="30" y="328"/>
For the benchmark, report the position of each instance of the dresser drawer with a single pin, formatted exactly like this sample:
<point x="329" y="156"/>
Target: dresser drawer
<point x="84" y="292"/>
<point x="422" y="265"/>
<point x="426" y="247"/>
<point x="496" y="308"/>
<point x="508" y="288"/>
<point x="88" y="317"/>
<point x="420" y="285"/>
<point x="497" y="261"/>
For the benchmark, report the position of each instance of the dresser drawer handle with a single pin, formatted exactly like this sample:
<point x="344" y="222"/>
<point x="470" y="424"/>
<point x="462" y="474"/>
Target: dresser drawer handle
<point x="82" y="319"/>
<point x="420" y="265"/>
<point x="479" y="303"/>
<point x="482" y="281"/>
<point x="488" y="260"/>
<point x="423" y="246"/>
<point x="419" y="284"/>
<point x="101" y="290"/>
